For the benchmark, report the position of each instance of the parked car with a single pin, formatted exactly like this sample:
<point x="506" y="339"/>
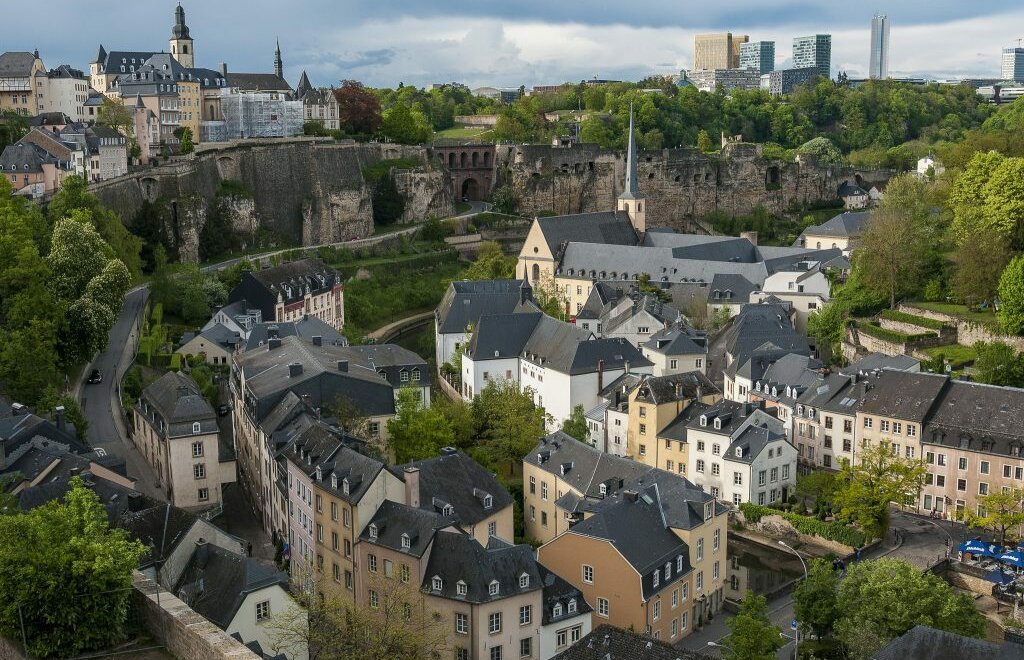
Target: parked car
<point x="95" y="377"/>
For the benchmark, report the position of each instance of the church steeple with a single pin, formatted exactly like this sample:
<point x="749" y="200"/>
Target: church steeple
<point x="632" y="200"/>
<point x="181" y="41"/>
<point x="278" y="64"/>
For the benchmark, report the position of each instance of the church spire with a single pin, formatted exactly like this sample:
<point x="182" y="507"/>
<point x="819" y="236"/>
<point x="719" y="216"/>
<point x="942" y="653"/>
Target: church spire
<point x="631" y="191"/>
<point x="278" y="64"/>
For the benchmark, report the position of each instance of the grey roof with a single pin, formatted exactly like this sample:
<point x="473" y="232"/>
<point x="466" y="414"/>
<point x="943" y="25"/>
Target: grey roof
<point x="51" y="119"/>
<point x="455" y="479"/>
<point x="751" y="442"/>
<point x="837" y="393"/>
<point x="981" y="417"/>
<point x="207" y="78"/>
<point x="678" y="339"/>
<point x="732" y="417"/>
<point x="159" y="68"/>
<point x="761" y="327"/>
<point x="603" y="227"/>
<point x="18" y="429"/>
<point x="558" y="591"/>
<point x="175" y="400"/>
<point x="601" y="293"/>
<point x="848" y="189"/>
<point x="730" y="288"/>
<point x="677" y="428"/>
<point x="393" y="520"/>
<point x="903" y="395"/>
<point x="16" y="64"/>
<point x="23" y="157"/>
<point x="874" y="361"/>
<point x="290" y="282"/>
<point x="66" y="71"/>
<point x="846" y="225"/>
<point x="310" y="444"/>
<point x="790" y="376"/>
<point x="457" y="556"/>
<point x="607" y="642"/>
<point x="391" y="360"/>
<point x="502" y="335"/>
<point x="616" y="313"/>
<point x="466" y="301"/>
<point x="676" y="387"/>
<point x="924" y="643"/>
<point x="216" y="585"/>
<point x="258" y="82"/>
<point x="630" y="190"/>
<point x="218" y="335"/>
<point x="306" y="328"/>
<point x="114" y="60"/>
<point x="355" y="466"/>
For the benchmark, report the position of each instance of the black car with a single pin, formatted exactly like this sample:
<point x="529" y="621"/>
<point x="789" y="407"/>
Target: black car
<point x="223" y="409"/>
<point x="95" y="377"/>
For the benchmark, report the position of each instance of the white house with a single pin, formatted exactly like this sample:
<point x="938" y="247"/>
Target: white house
<point x="803" y="285"/>
<point x="929" y="166"/>
<point x="563" y="365"/>
<point x="465" y="302"/>
<point x="236" y="317"/>
<point x="677" y="349"/>
<point x="566" y="618"/>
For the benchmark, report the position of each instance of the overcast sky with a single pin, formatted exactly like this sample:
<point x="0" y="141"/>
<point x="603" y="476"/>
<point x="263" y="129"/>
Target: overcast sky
<point x="512" y="42"/>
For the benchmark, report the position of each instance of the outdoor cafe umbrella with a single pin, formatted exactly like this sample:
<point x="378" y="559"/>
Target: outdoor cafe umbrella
<point x="974" y="546"/>
<point x="1013" y="557"/>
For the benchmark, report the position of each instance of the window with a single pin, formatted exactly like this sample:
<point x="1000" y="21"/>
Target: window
<point x="672" y="364"/>
<point x="544" y="518"/>
<point x="675" y="598"/>
<point x="197" y="449"/>
<point x="495" y="653"/>
<point x="571" y="607"/>
<point x="560" y="638"/>
<point x="204" y="494"/>
<point x="525" y="614"/>
<point x="199" y="470"/>
<point x="867" y="422"/>
<point x="699" y="586"/>
<point x="942" y="459"/>
<point x="262" y="610"/>
<point x="371" y="563"/>
<point x="575" y="633"/>
<point x="700" y="465"/>
<point x="643" y="450"/>
<point x="533" y="485"/>
<point x="785" y="472"/>
<point x="334" y="512"/>
<point x="737" y="499"/>
<point x="436" y="583"/>
<point x="1007" y="471"/>
<point x="657" y="610"/>
<point x="643" y="429"/>
<point x="715" y="468"/>
<point x="962" y="463"/>
<point x="961" y="484"/>
<point x="406" y="541"/>
<point x="404" y="573"/>
<point x="716" y="449"/>
<point x="761" y="477"/>
<point x="196" y="427"/>
<point x="543" y="490"/>
<point x="556" y="611"/>
<point x="984" y="466"/>
<point x="847" y="445"/>
<point x="525" y="647"/>
<point x="588" y="574"/>
<point x="655" y="578"/>
<point x="345" y="518"/>
<point x="461" y="623"/>
<point x="492" y="588"/>
<point x="940" y="480"/>
<point x="492" y="527"/>
<point x="716" y="542"/>
<point x="714" y="573"/>
<point x="774" y="474"/>
<point x="911" y="430"/>
<point x="602" y="606"/>
<point x="700" y="445"/>
<point x="685" y="593"/>
<point x="883" y="426"/>
<point x="683" y="621"/>
<point x="494" y="623"/>
<point x="348" y="548"/>
<point x="982" y="488"/>
<point x="700" y="549"/>
<point x="679" y="564"/>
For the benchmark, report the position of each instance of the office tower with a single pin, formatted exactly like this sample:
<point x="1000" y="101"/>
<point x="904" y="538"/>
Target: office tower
<point x="1013" y="64"/>
<point x="758" y="55"/>
<point x="813" y="52"/>
<point x="879" y="66"/>
<point x="720" y="50"/>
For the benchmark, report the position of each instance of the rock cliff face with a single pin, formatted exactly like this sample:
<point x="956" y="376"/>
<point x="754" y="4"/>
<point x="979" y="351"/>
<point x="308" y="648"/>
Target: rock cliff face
<point x="307" y="191"/>
<point x="680" y="184"/>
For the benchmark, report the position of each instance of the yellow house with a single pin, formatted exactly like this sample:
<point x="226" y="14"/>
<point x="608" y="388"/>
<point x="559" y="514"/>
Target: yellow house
<point x="654" y="405"/>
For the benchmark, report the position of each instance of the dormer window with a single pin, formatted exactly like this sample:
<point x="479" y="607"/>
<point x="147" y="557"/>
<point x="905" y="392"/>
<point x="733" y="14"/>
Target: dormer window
<point x="679" y="563"/>
<point x="709" y="510"/>
<point x="603" y="489"/>
<point x="524" y="581"/>
<point x="656" y="577"/>
<point x="196" y="427"/>
<point x="488" y="501"/>
<point x="572" y="606"/>
<point x="668" y="570"/>
<point x="345" y="486"/>
<point x="556" y="611"/>
<point x="492" y="588"/>
<point x="373" y="531"/>
<point x="447" y="510"/>
<point x="739" y="452"/>
<point x="703" y="420"/>
<point x="436" y="583"/>
<point x="406" y="541"/>
<point x="718" y="423"/>
<point x="800" y="410"/>
<point x="460" y="588"/>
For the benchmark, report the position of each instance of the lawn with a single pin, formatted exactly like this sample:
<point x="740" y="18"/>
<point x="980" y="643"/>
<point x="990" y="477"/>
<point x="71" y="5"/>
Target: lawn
<point x="462" y="132"/>
<point x="957" y="354"/>
<point x="987" y="317"/>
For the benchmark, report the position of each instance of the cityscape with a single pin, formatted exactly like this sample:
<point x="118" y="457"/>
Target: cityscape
<point x="718" y="356"/>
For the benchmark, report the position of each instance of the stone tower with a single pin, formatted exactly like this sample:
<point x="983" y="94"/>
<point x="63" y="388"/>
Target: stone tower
<point x="632" y="200"/>
<point x="278" y="64"/>
<point x="181" y="43"/>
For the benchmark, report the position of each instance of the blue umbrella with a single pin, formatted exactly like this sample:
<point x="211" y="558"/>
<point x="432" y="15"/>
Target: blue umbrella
<point x="999" y="577"/>
<point x="974" y="546"/>
<point x="993" y="550"/>
<point x="1013" y="557"/>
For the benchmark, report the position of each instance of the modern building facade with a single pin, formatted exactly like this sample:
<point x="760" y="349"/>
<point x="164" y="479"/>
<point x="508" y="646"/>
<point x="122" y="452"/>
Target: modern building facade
<point x="719" y="50"/>
<point x="879" y="65"/>
<point x="784" y="81"/>
<point x="758" y="55"/>
<point x="1013" y="64"/>
<point x="813" y="52"/>
<point x="709" y="80"/>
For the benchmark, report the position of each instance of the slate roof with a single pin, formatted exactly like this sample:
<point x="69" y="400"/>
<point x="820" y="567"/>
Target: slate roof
<point x="845" y="225"/>
<point x="16" y="64"/>
<point x="985" y="417"/>
<point x="391" y="360"/>
<point x="751" y="441"/>
<point x="113" y="61"/>
<point x="392" y="520"/>
<point x="604" y="227"/>
<point x="289" y="281"/>
<point x="559" y="591"/>
<point x="18" y="429"/>
<point x="924" y="643"/>
<point x="217" y="589"/>
<point x="874" y="361"/>
<point x="678" y="339"/>
<point x="765" y="328"/>
<point x="217" y="335"/>
<point x="258" y="82"/>
<point x="848" y="189"/>
<point x="837" y="393"/>
<point x="354" y="465"/>
<point x="175" y="399"/>
<point x="502" y="335"/>
<point x="903" y="395"/>
<point x="307" y="327"/>
<point x="457" y="556"/>
<point x="310" y="443"/>
<point x="51" y="119"/>
<point x="790" y="375"/>
<point x="23" y="157"/>
<point x="617" y="313"/>
<point x="731" y="288"/>
<point x="664" y="389"/>
<point x="466" y="301"/>
<point x="607" y="642"/>
<point x="456" y="479"/>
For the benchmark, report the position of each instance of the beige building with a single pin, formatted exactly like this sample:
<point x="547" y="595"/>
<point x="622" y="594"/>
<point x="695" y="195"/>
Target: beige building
<point x="720" y="50"/>
<point x="318" y="104"/>
<point x="23" y="83"/>
<point x="176" y="431"/>
<point x="655" y="404"/>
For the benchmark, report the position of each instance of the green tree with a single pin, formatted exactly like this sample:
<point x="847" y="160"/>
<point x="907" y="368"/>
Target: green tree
<point x="576" y="424"/>
<point x="891" y="254"/>
<point x="967" y="195"/>
<point x="87" y="324"/>
<point x="405" y="125"/>
<point x="884" y="598"/>
<point x="491" y="263"/>
<point x="999" y="511"/>
<point x="1004" y="200"/>
<point x="388" y="203"/>
<point x="878" y="478"/>
<point x="506" y="200"/>
<point x="28" y="359"/>
<point x="1011" y="296"/>
<point x="980" y="262"/>
<point x="59" y="550"/>
<point x="77" y="254"/>
<point x="704" y="142"/>
<point x="51" y="398"/>
<point x="816" y="601"/>
<point x="460" y="417"/>
<point x="998" y="364"/>
<point x="185" y="144"/>
<point x="508" y="421"/>
<point x="828" y="325"/>
<point x="823" y="149"/>
<point x="819" y="487"/>
<point x="417" y="432"/>
<point x="752" y="636"/>
<point x="115" y="115"/>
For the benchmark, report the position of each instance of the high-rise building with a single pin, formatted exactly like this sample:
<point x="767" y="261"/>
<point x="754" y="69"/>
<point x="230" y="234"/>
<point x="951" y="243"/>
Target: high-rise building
<point x="879" y="66"/>
<point x="1013" y="64"/>
<point x="758" y="55"/>
<point x="720" y="50"/>
<point x="813" y="52"/>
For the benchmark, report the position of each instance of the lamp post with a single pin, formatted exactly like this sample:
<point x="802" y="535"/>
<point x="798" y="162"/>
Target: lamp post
<point x="796" y="636"/>
<point x="721" y="646"/>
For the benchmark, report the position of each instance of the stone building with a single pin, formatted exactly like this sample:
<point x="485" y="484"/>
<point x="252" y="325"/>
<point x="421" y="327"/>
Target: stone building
<point x="318" y="104"/>
<point x="23" y="83"/>
<point x="293" y="290"/>
<point x="471" y="167"/>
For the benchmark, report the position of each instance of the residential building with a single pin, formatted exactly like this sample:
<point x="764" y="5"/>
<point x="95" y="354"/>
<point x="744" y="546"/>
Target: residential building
<point x="612" y="642"/>
<point x="854" y="197"/>
<point x="655" y="403"/>
<point x="67" y="91"/>
<point x="813" y="52"/>
<point x="293" y="290"/>
<point x="825" y="430"/>
<point x="566" y="616"/>
<point x="176" y="432"/>
<point x="717" y="51"/>
<point x="108" y="67"/>
<point x="759" y="335"/>
<point x="238" y="317"/>
<point x="23" y="83"/>
<point x="167" y="89"/>
<point x="841" y="232"/>
<point x="1013" y="65"/>
<point x="147" y="131"/>
<point x="677" y="349"/>
<point x="308" y="328"/>
<point x="465" y="302"/>
<point x="878" y="67"/>
<point x="318" y="104"/>
<point x="563" y="365"/>
<point x="738" y="452"/>
<point x="803" y="285"/>
<point x="617" y="311"/>
<point x="649" y="557"/>
<point x="710" y="80"/>
<point x="758" y="55"/>
<point x="32" y="170"/>
<point x="608" y="421"/>
<point x="929" y="166"/>
<point x="103" y="151"/>
<point x="783" y="81"/>
<point x="781" y="380"/>
<point x="214" y="344"/>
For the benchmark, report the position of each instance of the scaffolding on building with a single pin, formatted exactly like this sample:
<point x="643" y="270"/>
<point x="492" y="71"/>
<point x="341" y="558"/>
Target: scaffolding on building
<point x="259" y="115"/>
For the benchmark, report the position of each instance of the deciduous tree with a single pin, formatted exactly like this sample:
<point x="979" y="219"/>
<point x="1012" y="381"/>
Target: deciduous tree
<point x="879" y="477"/>
<point x="979" y="264"/>
<point x="752" y="636"/>
<point x="508" y="421"/>
<point x="416" y="431"/>
<point x="1003" y="510"/>
<point x="998" y="364"/>
<point x="828" y="324"/>
<point x="576" y="424"/>
<point x="117" y="116"/>
<point x="816" y="601"/>
<point x="491" y="263"/>
<point x="358" y="109"/>
<point x="1011" y="296"/>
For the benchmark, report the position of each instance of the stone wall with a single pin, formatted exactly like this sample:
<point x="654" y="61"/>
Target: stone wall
<point x="184" y="633"/>
<point x="680" y="184"/>
<point x="310" y="192"/>
<point x="968" y="333"/>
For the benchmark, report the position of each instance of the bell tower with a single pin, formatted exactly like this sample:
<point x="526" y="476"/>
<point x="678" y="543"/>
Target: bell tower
<point x="181" y="43"/>
<point x="632" y="200"/>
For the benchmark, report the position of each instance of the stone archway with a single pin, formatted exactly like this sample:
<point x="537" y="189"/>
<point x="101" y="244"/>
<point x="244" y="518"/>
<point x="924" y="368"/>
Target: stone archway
<point x="470" y="189"/>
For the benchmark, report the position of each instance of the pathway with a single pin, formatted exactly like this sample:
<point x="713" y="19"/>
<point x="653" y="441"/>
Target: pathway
<point x="395" y="326"/>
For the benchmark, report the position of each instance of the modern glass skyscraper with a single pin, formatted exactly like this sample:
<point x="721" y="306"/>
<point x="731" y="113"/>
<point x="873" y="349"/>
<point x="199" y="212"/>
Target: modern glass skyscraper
<point x="1013" y="64"/>
<point x="879" y="66"/>
<point x="758" y="55"/>
<point x="813" y="52"/>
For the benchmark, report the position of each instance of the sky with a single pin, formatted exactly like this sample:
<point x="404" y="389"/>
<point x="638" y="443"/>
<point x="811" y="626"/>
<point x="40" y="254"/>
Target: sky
<point x="515" y="42"/>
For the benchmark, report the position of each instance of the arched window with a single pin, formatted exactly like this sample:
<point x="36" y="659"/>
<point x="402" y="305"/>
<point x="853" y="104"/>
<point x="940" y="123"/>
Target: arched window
<point x="536" y="273"/>
<point x="462" y="159"/>
<point x="487" y="159"/>
<point x="451" y="160"/>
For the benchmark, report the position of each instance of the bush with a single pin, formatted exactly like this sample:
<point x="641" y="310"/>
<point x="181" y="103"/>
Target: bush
<point x="833" y="531"/>
<point x="919" y="321"/>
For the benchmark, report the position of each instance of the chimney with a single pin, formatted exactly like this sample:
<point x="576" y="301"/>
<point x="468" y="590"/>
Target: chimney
<point x="273" y="332"/>
<point x="294" y="370"/>
<point x="202" y="553"/>
<point x="135" y="502"/>
<point x="274" y="343"/>
<point x="18" y="409"/>
<point x="629" y="495"/>
<point x="600" y="375"/>
<point x="679" y="388"/>
<point x="700" y="392"/>
<point x="343" y="366"/>
<point x="449" y="451"/>
<point x="224" y="69"/>
<point x="412" y="487"/>
<point x="59" y="415"/>
<point x="626" y="366"/>
<point x="318" y="340"/>
<point x="307" y="400"/>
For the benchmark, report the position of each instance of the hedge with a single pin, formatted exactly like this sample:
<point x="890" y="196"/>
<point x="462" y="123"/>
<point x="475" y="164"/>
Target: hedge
<point x="919" y="321"/>
<point x="890" y="335"/>
<point x="833" y="531"/>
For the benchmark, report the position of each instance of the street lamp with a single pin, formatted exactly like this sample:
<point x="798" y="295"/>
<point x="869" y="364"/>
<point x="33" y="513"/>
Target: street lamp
<point x="722" y="646"/>
<point x="796" y="636"/>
